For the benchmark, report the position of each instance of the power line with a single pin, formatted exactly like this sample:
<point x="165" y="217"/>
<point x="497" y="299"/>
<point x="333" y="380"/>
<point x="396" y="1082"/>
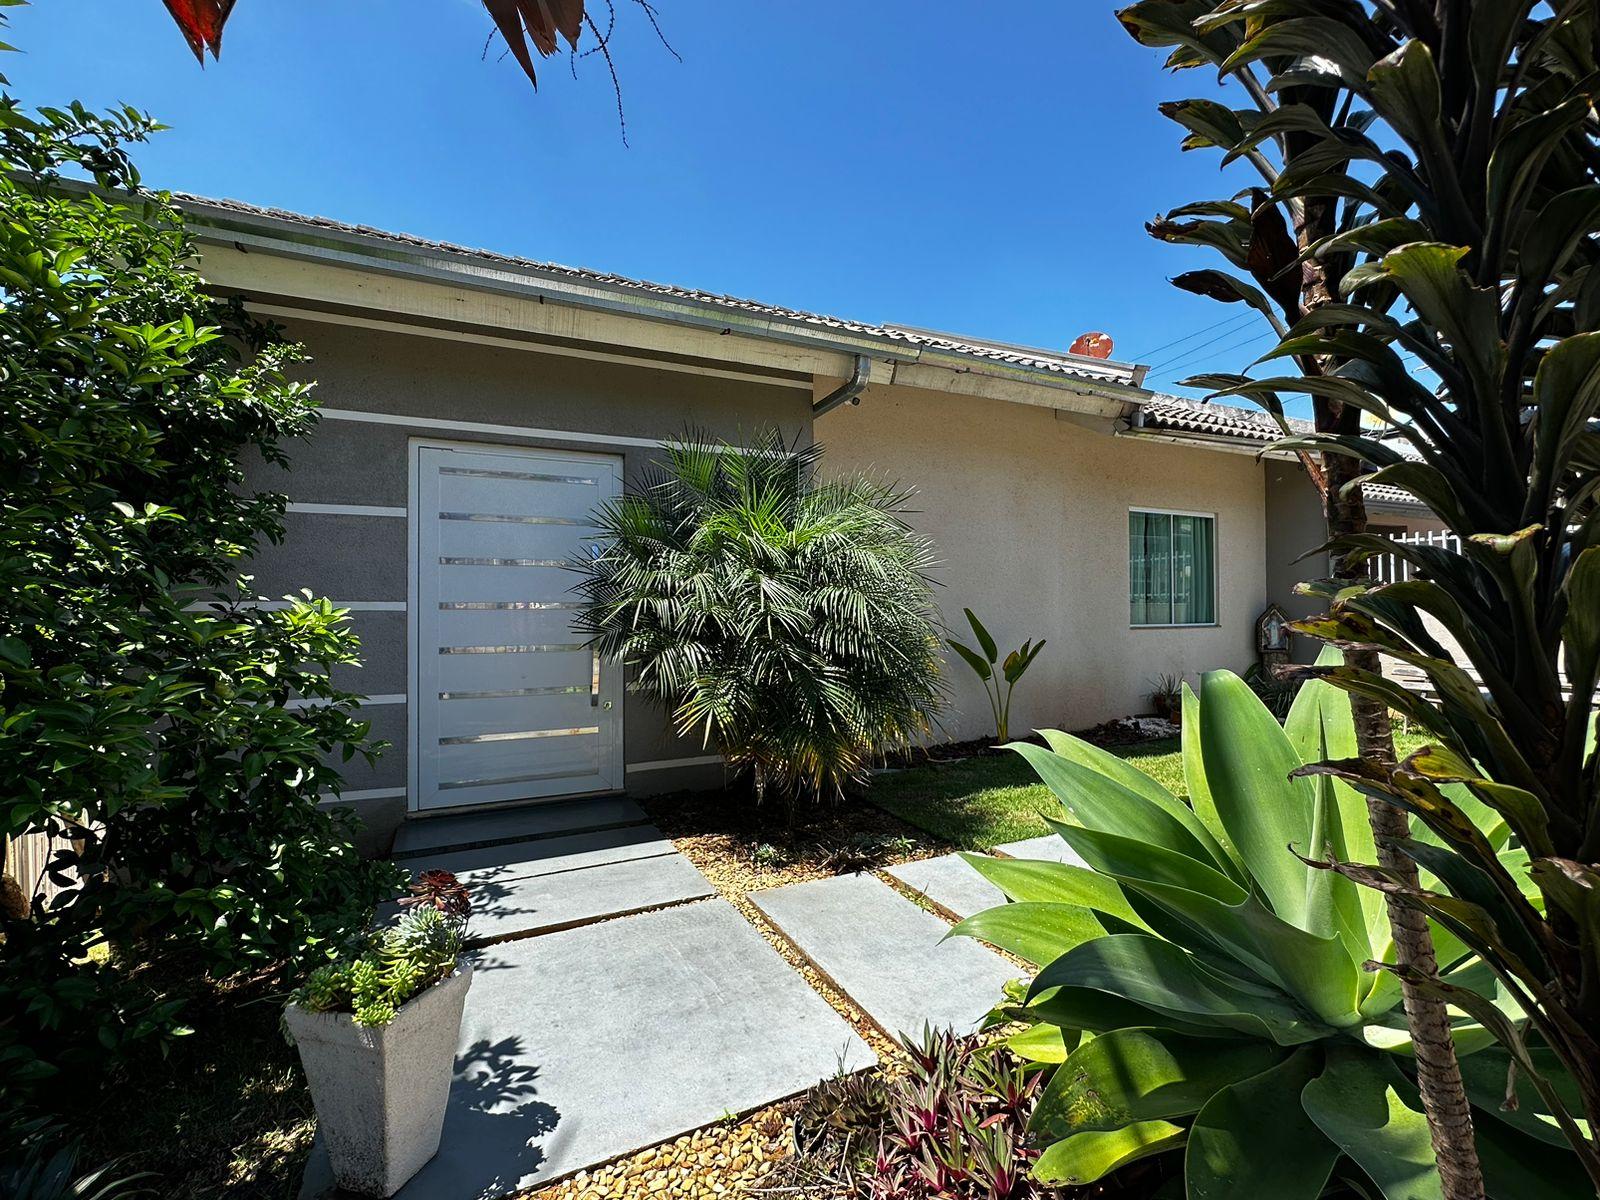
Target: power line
<point x="1183" y="355"/>
<point x="1183" y="362"/>
<point x="1233" y="320"/>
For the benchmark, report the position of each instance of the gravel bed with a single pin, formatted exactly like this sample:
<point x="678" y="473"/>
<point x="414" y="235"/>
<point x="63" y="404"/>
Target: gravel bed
<point x="741" y="850"/>
<point x="732" y="1158"/>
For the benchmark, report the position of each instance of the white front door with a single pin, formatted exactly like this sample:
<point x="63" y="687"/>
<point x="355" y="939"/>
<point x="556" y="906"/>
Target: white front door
<point x="510" y="703"/>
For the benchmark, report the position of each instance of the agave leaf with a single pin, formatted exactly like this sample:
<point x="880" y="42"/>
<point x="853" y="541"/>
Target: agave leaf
<point x="1121" y="771"/>
<point x="1320" y="727"/>
<point x="1249" y="760"/>
<point x="1030" y="880"/>
<point x="1224" y="1158"/>
<point x="1043" y="1043"/>
<point x="1133" y="1075"/>
<point x="1086" y="1157"/>
<point x="1093" y="1011"/>
<point x="1100" y="802"/>
<point x="1037" y="932"/>
<point x="1535" y="1066"/>
<point x="1194" y="777"/>
<point x="1357" y="1104"/>
<point x="1317" y="971"/>
<point x="1519" y="1167"/>
<point x="1158" y="975"/>
<point x="1492" y="1083"/>
<point x="1132" y="862"/>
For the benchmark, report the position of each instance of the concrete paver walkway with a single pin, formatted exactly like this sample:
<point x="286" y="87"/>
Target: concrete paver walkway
<point x="580" y="1046"/>
<point x="524" y="888"/>
<point x="949" y="884"/>
<point x="587" y="1034"/>
<point x="1048" y="847"/>
<point x="616" y="1005"/>
<point x="887" y="954"/>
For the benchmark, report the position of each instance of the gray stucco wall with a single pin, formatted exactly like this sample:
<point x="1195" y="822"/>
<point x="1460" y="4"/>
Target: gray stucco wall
<point x="1295" y="524"/>
<point x="363" y="559"/>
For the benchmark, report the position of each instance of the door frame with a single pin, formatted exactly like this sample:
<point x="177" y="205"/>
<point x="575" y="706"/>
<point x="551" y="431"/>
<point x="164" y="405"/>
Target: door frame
<point x="414" y="699"/>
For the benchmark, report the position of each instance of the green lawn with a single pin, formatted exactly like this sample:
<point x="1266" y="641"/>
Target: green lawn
<point x="985" y="801"/>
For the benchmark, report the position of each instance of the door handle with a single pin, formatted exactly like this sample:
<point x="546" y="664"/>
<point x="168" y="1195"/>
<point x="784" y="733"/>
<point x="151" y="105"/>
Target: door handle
<point x="594" y="683"/>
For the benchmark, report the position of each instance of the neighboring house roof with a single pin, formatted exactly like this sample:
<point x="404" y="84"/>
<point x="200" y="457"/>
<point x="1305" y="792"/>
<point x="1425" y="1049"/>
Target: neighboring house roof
<point x="1050" y="361"/>
<point x="1218" y="420"/>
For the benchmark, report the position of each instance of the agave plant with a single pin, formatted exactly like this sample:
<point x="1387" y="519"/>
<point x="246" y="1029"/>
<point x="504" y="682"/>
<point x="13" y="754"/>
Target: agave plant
<point x="1223" y="978"/>
<point x="785" y="619"/>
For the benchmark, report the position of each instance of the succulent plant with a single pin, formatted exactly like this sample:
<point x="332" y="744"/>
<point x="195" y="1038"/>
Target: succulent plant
<point x="415" y="953"/>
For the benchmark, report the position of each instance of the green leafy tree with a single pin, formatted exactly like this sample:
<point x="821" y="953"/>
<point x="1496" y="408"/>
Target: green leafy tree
<point x="1221" y="976"/>
<point x="1421" y="238"/>
<point x="785" y="619"/>
<point x="141" y="723"/>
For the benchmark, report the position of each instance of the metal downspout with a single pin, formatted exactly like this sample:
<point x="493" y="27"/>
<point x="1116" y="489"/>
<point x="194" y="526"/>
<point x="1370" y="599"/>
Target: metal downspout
<point x="847" y="393"/>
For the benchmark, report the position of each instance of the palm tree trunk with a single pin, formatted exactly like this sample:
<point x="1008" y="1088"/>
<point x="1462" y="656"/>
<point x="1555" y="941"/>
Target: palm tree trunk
<point x="1444" y="1098"/>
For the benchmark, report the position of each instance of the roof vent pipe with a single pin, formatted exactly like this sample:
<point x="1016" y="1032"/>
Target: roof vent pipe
<point x="848" y="393"/>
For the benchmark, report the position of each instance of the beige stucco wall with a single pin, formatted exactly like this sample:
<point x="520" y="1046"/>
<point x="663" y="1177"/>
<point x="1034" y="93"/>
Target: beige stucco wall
<point x="1029" y="511"/>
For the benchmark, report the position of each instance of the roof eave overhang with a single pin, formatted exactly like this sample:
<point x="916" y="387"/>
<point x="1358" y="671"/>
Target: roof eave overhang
<point x="264" y="233"/>
<point x="1206" y="441"/>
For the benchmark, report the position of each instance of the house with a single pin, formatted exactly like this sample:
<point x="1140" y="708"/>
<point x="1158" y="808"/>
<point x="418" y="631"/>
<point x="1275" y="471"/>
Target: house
<point x="476" y="407"/>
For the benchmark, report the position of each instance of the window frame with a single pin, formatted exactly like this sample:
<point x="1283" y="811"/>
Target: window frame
<point x="1216" y="574"/>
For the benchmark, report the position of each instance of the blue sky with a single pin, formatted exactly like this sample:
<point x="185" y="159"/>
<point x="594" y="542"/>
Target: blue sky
<point x="955" y="166"/>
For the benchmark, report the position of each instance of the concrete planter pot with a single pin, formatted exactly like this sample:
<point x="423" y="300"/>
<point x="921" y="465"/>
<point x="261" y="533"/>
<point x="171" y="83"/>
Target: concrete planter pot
<point x="380" y="1093"/>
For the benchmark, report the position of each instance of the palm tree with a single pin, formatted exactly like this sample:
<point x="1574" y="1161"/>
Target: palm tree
<point x="786" y="619"/>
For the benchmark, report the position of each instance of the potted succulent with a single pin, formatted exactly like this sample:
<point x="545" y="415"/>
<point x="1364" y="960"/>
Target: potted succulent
<point x="377" y="1034"/>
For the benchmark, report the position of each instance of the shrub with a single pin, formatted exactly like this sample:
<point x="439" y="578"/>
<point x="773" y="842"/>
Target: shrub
<point x="144" y="725"/>
<point x="1221" y="976"/>
<point x="785" y="619"/>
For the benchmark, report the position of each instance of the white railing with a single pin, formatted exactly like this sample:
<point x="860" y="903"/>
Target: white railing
<point x="1392" y="568"/>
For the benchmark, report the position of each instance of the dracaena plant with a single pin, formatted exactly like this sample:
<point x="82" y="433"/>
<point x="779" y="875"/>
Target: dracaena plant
<point x="992" y="671"/>
<point x="1221" y="977"/>
<point x="1422" y="239"/>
